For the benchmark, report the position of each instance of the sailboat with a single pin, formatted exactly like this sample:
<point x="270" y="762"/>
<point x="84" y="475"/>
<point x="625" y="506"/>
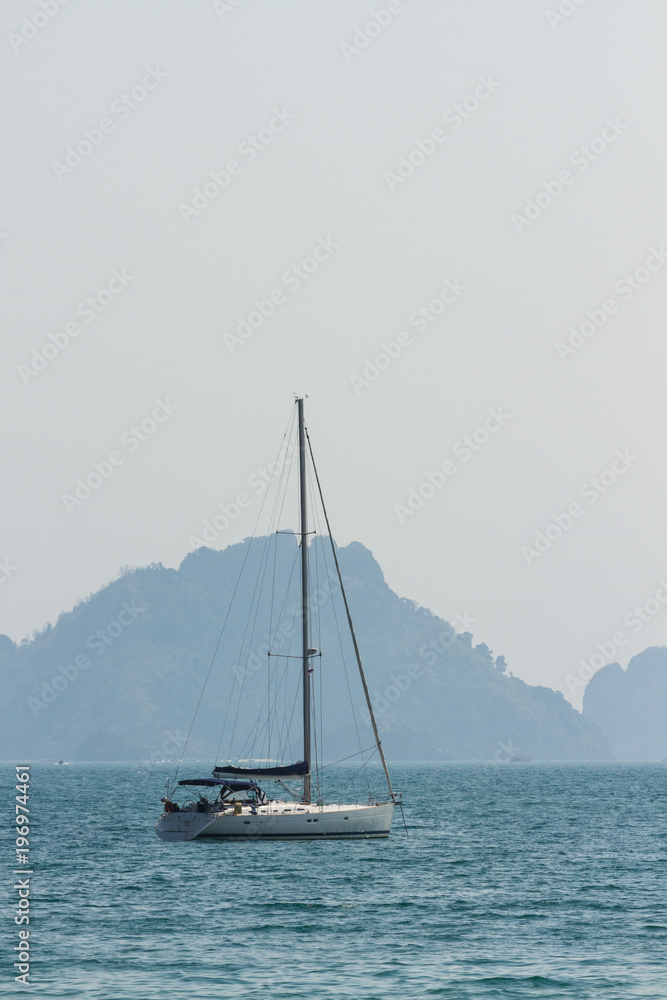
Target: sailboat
<point x="241" y="809"/>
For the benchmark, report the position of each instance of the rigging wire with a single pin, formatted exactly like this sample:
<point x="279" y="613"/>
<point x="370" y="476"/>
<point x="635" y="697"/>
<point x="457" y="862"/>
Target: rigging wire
<point x="352" y="632"/>
<point x="291" y="584"/>
<point x="347" y="681"/>
<point x="313" y="601"/>
<point x="254" y="604"/>
<point x="253" y="538"/>
<point x="281" y="487"/>
<point x="215" y="651"/>
<point x="254" y="734"/>
<point x="268" y="659"/>
<point x="318" y="599"/>
<point x="285" y="711"/>
<point x="349" y="757"/>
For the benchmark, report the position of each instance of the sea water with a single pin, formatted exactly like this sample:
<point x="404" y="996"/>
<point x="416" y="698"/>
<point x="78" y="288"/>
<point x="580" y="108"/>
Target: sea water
<point x="514" y="880"/>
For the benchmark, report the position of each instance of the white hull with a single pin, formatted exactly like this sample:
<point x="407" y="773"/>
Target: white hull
<point x="280" y="821"/>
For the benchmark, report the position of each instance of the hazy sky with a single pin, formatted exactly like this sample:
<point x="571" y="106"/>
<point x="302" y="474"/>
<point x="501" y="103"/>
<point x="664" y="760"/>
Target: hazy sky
<point x="470" y="192"/>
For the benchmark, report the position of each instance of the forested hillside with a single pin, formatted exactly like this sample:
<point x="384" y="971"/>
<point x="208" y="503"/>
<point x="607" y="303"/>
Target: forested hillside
<point x="119" y="677"/>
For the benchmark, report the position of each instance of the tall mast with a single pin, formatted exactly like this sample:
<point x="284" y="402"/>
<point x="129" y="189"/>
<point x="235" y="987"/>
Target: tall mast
<point x="304" y="603"/>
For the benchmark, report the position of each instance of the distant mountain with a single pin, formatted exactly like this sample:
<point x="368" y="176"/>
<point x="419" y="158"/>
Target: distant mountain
<point x="630" y="706"/>
<point x="119" y="676"/>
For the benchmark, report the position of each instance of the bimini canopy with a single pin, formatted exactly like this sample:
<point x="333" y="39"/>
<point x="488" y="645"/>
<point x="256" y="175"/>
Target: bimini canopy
<point x="297" y="770"/>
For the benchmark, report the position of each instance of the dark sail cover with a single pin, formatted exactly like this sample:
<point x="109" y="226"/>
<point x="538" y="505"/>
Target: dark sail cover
<point x="231" y="784"/>
<point x="285" y="771"/>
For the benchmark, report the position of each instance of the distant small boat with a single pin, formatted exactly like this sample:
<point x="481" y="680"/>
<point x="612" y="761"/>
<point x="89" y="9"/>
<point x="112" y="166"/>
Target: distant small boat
<point x="519" y="760"/>
<point x="61" y="761"/>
